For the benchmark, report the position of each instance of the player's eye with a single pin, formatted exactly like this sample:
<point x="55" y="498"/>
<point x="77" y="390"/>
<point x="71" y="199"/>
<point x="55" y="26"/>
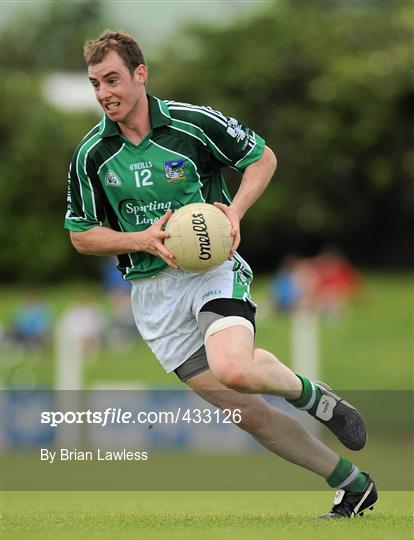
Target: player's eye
<point x="113" y="81"/>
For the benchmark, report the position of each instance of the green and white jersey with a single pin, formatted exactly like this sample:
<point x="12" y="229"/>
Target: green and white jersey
<point x="179" y="162"/>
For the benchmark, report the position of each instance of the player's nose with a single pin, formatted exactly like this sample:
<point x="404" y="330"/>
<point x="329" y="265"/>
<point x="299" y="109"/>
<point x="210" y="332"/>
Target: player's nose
<point x="104" y="93"/>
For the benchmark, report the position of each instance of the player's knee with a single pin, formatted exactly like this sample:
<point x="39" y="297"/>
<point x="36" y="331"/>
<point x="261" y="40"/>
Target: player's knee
<point x="233" y="376"/>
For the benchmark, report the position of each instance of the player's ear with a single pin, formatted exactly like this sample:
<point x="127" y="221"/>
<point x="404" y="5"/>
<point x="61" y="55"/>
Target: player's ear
<point x="141" y="73"/>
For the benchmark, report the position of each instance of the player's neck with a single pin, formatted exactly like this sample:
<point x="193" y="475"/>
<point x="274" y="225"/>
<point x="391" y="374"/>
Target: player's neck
<point x="138" y="123"/>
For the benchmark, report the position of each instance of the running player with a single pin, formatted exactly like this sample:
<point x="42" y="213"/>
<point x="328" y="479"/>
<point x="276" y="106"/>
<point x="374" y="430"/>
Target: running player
<point x="146" y="158"/>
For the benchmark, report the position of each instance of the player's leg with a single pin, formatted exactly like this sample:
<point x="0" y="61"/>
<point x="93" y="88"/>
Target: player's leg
<point x="162" y="309"/>
<point x="227" y="322"/>
<point x="285" y="436"/>
<point x="276" y="430"/>
<point x="235" y="362"/>
<point x="228" y="329"/>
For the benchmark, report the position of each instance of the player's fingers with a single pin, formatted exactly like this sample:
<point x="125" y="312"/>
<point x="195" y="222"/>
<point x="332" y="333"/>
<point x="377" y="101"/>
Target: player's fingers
<point x="165" y="253"/>
<point x="166" y="256"/>
<point x="169" y="261"/>
<point x="236" y="243"/>
<point x="163" y="219"/>
<point x="221" y="206"/>
<point x="226" y="210"/>
<point x="171" y="264"/>
<point x="162" y="235"/>
<point x="235" y="228"/>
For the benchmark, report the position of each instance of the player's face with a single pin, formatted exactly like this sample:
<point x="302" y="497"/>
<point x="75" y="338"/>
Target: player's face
<point x="116" y="90"/>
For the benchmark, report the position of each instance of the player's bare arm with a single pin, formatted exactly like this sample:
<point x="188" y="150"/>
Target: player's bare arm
<point x="105" y="241"/>
<point x="255" y="179"/>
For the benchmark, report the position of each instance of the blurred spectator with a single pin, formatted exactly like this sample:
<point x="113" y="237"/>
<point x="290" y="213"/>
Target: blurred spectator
<point x="85" y="321"/>
<point x="294" y="284"/>
<point x="31" y="325"/>
<point x="338" y="281"/>
<point x="324" y="283"/>
<point x="122" y="330"/>
<point x="285" y="288"/>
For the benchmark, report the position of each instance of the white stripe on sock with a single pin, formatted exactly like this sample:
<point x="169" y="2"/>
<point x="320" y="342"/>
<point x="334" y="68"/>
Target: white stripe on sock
<point x="350" y="478"/>
<point x="311" y="401"/>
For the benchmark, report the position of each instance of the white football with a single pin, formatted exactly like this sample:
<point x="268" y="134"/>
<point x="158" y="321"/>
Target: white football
<point x="200" y="237"/>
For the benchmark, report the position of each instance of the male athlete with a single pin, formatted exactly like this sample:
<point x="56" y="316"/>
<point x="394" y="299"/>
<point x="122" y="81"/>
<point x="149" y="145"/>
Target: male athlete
<point x="146" y="158"/>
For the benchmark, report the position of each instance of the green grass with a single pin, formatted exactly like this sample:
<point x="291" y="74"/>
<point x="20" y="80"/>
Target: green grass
<point x="387" y="456"/>
<point x="195" y="516"/>
<point x="369" y="347"/>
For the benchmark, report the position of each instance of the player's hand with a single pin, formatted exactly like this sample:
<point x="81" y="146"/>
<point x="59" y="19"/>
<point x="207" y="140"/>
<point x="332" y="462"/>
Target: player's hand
<point x="152" y="240"/>
<point x="234" y="219"/>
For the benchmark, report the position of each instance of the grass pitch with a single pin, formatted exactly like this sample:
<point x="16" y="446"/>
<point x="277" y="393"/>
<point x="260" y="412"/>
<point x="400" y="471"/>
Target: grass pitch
<point x="155" y="515"/>
<point x="372" y="339"/>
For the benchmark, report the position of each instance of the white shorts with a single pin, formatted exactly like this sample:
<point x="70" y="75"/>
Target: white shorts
<point x="166" y="307"/>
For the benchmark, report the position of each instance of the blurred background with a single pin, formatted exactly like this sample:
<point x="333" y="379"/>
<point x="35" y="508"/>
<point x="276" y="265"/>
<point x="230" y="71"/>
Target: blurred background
<point x="328" y="84"/>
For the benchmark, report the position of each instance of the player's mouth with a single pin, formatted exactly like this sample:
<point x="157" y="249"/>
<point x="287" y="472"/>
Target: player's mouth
<point x="113" y="106"/>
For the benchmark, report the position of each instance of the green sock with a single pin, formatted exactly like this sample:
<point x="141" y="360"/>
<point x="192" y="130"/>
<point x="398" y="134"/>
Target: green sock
<point x="309" y="397"/>
<point x="347" y="476"/>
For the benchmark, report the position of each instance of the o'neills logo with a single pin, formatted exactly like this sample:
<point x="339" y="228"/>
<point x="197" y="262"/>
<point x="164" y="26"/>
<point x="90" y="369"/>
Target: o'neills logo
<point x="200" y="229"/>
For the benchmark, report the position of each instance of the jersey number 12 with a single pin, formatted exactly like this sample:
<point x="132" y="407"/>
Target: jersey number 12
<point x="142" y="178"/>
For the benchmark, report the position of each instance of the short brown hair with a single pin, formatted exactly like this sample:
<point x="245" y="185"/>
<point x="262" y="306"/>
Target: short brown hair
<point x="94" y="51"/>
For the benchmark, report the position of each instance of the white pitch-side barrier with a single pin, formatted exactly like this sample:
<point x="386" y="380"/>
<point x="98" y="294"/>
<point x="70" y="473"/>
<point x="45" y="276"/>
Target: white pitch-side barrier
<point x="305" y="353"/>
<point x="70" y="357"/>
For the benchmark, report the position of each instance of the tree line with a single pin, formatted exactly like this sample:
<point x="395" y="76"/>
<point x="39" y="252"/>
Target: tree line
<point x="328" y="86"/>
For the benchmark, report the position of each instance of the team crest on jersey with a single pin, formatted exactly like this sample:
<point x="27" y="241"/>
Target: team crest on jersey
<point x="174" y="170"/>
<point x="112" y="179"/>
